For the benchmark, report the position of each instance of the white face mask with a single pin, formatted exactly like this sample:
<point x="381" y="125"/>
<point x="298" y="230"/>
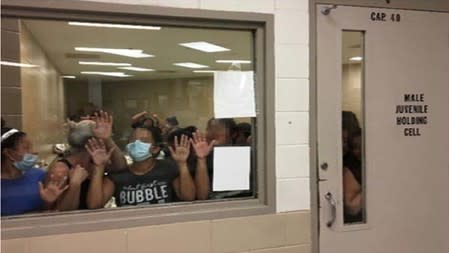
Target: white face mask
<point x="139" y="151"/>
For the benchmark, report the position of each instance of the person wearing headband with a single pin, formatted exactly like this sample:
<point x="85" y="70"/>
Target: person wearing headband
<point x="22" y="187"/>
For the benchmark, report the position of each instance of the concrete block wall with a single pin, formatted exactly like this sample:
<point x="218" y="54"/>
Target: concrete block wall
<point x="275" y="233"/>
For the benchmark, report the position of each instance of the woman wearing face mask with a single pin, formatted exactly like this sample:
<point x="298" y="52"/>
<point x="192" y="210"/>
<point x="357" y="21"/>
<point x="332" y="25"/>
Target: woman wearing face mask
<point x="21" y="183"/>
<point x="148" y="180"/>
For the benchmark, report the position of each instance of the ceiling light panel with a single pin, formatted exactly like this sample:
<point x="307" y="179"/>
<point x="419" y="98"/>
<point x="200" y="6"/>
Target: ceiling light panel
<point x="108" y="25"/>
<point x="115" y="74"/>
<point x="136" y="69"/>
<point x="117" y="64"/>
<point x="234" y="61"/>
<point x="17" y="64"/>
<point x="205" y="46"/>
<point x="134" y="53"/>
<point x="190" y="65"/>
<point x="356" y="58"/>
<point x="205" y="71"/>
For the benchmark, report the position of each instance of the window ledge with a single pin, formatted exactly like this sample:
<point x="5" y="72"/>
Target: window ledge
<point x="118" y="218"/>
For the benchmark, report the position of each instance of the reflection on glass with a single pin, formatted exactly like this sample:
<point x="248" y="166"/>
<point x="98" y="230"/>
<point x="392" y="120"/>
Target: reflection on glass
<point x="134" y="88"/>
<point x="352" y="127"/>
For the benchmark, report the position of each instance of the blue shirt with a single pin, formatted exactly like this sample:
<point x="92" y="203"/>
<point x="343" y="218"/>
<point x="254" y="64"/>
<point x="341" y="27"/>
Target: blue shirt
<point x="21" y="195"/>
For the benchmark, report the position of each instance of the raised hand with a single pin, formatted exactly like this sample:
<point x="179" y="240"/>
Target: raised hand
<point x="200" y="145"/>
<point x="97" y="150"/>
<point x="182" y="149"/>
<point x="51" y="192"/>
<point x="103" y="126"/>
<point x="77" y="175"/>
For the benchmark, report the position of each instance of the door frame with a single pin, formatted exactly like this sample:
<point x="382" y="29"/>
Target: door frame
<point x="428" y="5"/>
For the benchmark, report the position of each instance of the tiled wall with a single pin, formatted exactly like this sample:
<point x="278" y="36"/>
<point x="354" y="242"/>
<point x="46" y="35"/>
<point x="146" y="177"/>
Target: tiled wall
<point x="42" y="114"/>
<point x="10" y="87"/>
<point x="275" y="233"/>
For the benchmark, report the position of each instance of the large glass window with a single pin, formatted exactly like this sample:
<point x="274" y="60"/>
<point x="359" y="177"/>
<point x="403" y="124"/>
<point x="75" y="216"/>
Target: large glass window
<point x="107" y="115"/>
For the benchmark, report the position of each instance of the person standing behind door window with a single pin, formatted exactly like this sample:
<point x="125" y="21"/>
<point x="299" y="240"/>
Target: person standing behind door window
<point x="352" y="179"/>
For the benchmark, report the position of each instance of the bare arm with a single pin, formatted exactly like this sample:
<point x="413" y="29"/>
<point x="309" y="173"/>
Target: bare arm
<point x="100" y="188"/>
<point x="352" y="192"/>
<point x="138" y="116"/>
<point x="103" y="131"/>
<point x="202" y="179"/>
<point x="202" y="150"/>
<point x="71" y="197"/>
<point x="183" y="184"/>
<point x="118" y="161"/>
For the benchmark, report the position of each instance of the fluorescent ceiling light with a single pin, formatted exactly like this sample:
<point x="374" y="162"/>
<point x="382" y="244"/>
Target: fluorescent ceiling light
<point x="116" y="74"/>
<point x="190" y="65"/>
<point x="135" y="53"/>
<point x="68" y="77"/>
<point x="205" y="71"/>
<point x="104" y="63"/>
<point x="356" y="58"/>
<point x="136" y="69"/>
<point x="204" y="46"/>
<point x="233" y="61"/>
<point x="108" y="25"/>
<point x="17" y="64"/>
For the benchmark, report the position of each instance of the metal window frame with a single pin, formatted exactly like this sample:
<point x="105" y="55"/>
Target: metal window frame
<point x="262" y="26"/>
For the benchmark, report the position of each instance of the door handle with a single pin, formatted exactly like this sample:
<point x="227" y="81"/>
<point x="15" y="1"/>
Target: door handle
<point x="333" y="205"/>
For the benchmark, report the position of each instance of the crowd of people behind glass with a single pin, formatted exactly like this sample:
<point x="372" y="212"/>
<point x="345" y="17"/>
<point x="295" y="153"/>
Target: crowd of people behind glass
<point x="163" y="162"/>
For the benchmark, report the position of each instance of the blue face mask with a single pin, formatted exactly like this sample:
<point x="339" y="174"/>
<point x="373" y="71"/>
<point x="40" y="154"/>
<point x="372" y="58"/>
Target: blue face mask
<point x="139" y="151"/>
<point x="28" y="161"/>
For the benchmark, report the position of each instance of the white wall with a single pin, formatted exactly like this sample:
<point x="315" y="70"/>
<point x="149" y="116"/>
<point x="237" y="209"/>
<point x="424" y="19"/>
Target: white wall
<point x="292" y="90"/>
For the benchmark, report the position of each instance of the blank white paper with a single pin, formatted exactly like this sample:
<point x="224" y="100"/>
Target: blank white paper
<point x="231" y="168"/>
<point x="234" y="94"/>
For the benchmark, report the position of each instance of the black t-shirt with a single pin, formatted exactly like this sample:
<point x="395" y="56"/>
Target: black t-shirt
<point x="154" y="187"/>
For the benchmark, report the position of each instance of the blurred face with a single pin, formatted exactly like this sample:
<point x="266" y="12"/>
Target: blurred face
<point x="148" y="123"/>
<point x="357" y="147"/>
<point x="241" y="139"/>
<point x="23" y="147"/>
<point x="80" y="133"/>
<point x="143" y="135"/>
<point x="345" y="141"/>
<point x="216" y="131"/>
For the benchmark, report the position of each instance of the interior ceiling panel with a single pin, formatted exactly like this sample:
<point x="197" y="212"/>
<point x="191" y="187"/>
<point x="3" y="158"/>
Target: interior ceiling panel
<point x="58" y="39"/>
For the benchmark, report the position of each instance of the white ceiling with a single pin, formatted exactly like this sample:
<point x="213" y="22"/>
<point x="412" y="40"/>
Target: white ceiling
<point x="58" y="40"/>
<point x="352" y="42"/>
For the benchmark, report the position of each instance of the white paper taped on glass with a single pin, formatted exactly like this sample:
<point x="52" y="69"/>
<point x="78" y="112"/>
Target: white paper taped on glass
<point x="234" y="94"/>
<point x="231" y="168"/>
